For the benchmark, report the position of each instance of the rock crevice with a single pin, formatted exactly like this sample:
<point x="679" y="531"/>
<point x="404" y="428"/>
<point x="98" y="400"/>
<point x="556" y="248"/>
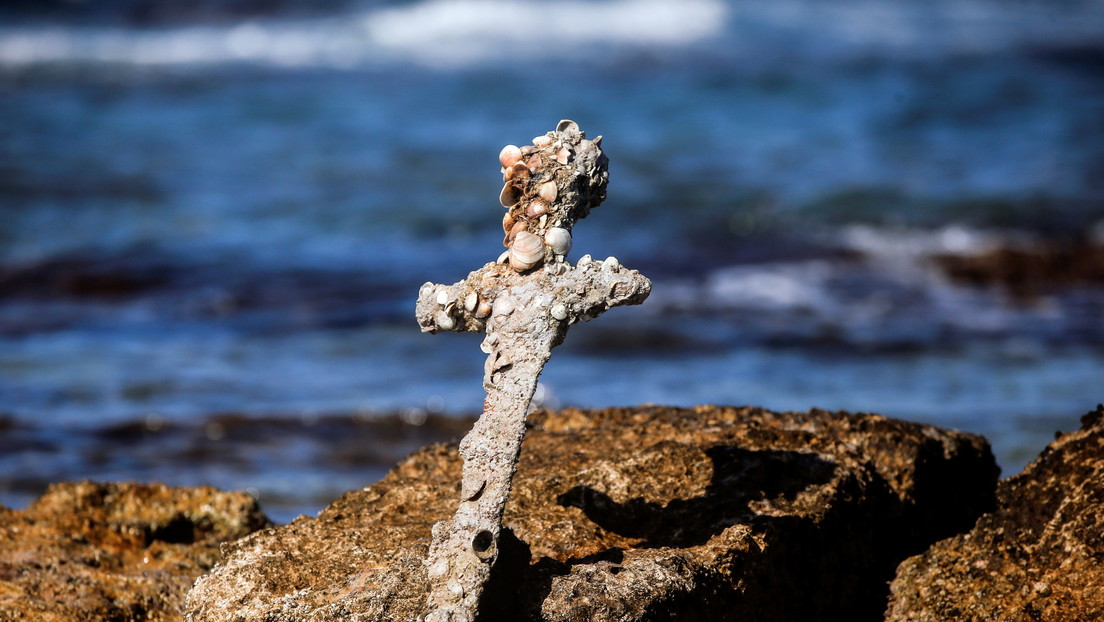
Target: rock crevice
<point x="1038" y="556"/>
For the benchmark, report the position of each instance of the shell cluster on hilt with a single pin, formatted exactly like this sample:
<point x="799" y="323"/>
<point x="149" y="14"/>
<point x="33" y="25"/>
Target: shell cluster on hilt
<point x="549" y="185"/>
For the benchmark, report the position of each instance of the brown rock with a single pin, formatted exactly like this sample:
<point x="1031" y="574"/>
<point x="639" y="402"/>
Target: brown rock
<point x="1039" y="556"/>
<point x="646" y="513"/>
<point x="1029" y="272"/>
<point x="126" y="552"/>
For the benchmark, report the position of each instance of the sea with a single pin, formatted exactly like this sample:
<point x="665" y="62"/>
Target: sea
<point x="215" y="217"/>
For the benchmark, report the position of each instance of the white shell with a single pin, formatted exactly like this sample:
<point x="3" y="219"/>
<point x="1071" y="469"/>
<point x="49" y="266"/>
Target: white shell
<point x="509" y="155"/>
<point x="558" y="311"/>
<point x="585" y="259"/>
<point x="470" y="301"/>
<point x="549" y="191"/>
<point x="483" y="309"/>
<point x="567" y="124"/>
<point x="558" y="239"/>
<point x="611" y="264"/>
<point x="541" y="142"/>
<point x="442" y="297"/>
<point x="503" y="257"/>
<point x="535" y="209"/>
<point x="445" y="321"/>
<point x="526" y="251"/>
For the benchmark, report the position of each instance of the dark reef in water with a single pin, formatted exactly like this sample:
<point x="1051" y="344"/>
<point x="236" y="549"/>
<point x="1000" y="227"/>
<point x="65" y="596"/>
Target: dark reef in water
<point x="1032" y="271"/>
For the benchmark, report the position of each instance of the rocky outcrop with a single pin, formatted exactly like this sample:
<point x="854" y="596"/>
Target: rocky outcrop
<point x="1029" y="272"/>
<point x="1039" y="556"/>
<point x="87" y="551"/>
<point x="646" y="513"/>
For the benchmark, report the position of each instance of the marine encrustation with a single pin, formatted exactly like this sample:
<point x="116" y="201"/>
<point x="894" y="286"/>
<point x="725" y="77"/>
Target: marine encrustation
<point x="524" y="302"/>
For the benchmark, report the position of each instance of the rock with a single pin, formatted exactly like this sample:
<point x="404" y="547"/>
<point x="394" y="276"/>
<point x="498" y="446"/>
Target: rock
<point x="1029" y="272"/>
<point x="1038" y="556"/>
<point x="128" y="552"/>
<point x="641" y="513"/>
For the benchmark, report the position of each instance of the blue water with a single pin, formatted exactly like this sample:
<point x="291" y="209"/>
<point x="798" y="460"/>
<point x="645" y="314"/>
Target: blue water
<point x="228" y="212"/>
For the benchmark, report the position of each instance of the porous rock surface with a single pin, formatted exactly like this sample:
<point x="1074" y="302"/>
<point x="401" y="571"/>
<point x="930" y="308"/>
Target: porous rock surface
<point x="128" y="552"/>
<point x="1038" y="556"/>
<point x="647" y="513"/>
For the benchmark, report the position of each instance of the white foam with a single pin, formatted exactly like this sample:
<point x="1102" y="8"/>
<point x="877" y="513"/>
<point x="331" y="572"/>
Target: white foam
<point x="463" y="32"/>
<point x="434" y="32"/>
<point x="886" y="244"/>
<point x="458" y="31"/>
<point x="787" y="286"/>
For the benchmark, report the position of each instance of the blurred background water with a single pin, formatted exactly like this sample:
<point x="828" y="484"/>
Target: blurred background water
<point x="215" y="217"/>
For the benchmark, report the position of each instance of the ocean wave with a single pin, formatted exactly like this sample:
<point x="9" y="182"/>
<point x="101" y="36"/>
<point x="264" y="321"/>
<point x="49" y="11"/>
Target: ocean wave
<point x="458" y="33"/>
<point x="434" y="32"/>
<point x="889" y="287"/>
<point x="450" y="31"/>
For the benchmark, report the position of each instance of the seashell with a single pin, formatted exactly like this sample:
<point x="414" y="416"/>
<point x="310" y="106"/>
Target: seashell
<point x="543" y="221"/>
<point x="507" y="222"/>
<point x="445" y="321"/>
<point x="526" y="251"/>
<point x="509" y="155"/>
<point x="442" y="297"/>
<point x="519" y="170"/>
<point x="527" y="149"/>
<point x="558" y="311"/>
<point x="558" y="239"/>
<point x="567" y="125"/>
<point x="540" y="142"/>
<point x="597" y="141"/>
<point x="535" y="209"/>
<point x="562" y="155"/>
<point x="483" y="309"/>
<point x="549" y="191"/>
<point x="470" y="301"/>
<point x="611" y="264"/>
<point x="509" y="196"/>
<point x="534" y="162"/>
<point x="585" y="259"/>
<point x="512" y="233"/>
<point x="503" y="257"/>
